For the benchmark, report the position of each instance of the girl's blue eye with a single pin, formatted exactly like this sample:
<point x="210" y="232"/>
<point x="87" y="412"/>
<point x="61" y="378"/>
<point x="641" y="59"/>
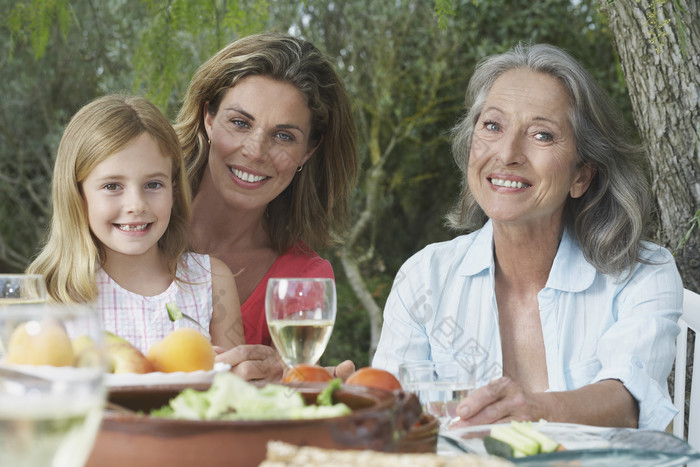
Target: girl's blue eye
<point x="239" y="123"/>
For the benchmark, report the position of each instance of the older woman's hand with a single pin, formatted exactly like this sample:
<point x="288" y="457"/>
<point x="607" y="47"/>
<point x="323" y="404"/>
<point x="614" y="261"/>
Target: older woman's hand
<point x="499" y="401"/>
<point x="253" y="362"/>
<point x="605" y="403"/>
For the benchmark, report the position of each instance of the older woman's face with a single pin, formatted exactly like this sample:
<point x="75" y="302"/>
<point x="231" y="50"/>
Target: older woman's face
<point x="522" y="160"/>
<point x="259" y="137"/>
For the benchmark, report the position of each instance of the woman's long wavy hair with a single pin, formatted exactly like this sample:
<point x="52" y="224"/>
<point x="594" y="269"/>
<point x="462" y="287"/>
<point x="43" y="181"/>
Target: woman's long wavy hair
<point x="314" y="207"/>
<point x="71" y="254"/>
<point x="609" y="219"/>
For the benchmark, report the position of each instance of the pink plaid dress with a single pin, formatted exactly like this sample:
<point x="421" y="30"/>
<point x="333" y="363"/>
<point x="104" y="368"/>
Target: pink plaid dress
<point x="144" y="321"/>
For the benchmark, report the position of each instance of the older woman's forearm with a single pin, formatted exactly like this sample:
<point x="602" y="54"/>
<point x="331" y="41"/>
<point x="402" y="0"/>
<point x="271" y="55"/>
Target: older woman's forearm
<point x="605" y="403"/>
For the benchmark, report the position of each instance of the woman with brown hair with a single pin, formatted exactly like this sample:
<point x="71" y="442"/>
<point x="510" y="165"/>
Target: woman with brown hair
<point x="270" y="147"/>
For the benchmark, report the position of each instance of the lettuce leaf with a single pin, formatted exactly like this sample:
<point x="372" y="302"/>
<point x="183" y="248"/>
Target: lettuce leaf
<point x="232" y="398"/>
<point x="325" y="397"/>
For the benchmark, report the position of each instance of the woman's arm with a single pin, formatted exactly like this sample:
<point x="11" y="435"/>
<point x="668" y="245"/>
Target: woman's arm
<point x="226" y="326"/>
<point x="605" y="403"/>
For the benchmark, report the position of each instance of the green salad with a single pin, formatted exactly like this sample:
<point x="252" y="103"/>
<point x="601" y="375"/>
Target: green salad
<point x="232" y="398"/>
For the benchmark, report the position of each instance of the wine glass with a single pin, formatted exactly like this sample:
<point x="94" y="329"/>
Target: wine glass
<point x="52" y="392"/>
<point x="300" y="314"/>
<point x="22" y="288"/>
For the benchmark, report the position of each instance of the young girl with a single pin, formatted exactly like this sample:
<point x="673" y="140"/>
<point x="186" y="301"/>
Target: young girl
<point x="118" y="235"/>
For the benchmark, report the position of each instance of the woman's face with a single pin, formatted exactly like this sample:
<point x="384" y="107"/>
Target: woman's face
<point x="522" y="164"/>
<point x="259" y="137"/>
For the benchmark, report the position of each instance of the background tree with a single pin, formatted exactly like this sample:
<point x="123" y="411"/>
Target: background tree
<point x="659" y="47"/>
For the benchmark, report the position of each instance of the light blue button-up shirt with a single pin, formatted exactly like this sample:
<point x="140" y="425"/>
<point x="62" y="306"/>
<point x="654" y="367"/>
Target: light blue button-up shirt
<point x="443" y="307"/>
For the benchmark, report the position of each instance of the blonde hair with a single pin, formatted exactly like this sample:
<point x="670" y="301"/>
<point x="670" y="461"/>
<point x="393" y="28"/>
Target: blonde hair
<point x="71" y="254"/>
<point x="314" y="207"/>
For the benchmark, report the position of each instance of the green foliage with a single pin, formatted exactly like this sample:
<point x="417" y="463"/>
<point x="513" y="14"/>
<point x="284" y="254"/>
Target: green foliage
<point x="694" y="222"/>
<point x="180" y="35"/>
<point x="443" y="10"/>
<point x="32" y="21"/>
<point x="678" y="12"/>
<point x="656" y="25"/>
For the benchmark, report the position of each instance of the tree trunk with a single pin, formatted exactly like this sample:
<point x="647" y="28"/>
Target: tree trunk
<point x="351" y="264"/>
<point x="658" y="43"/>
<point x="352" y="271"/>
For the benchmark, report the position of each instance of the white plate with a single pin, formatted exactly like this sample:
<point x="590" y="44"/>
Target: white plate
<point x="572" y="436"/>
<point x="45" y="373"/>
<point x="587" y="446"/>
<point x="179" y="377"/>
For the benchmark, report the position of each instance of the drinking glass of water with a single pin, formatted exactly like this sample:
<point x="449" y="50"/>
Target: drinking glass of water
<point x="52" y="392"/>
<point x="440" y="386"/>
<point x="22" y="289"/>
<point x="300" y="315"/>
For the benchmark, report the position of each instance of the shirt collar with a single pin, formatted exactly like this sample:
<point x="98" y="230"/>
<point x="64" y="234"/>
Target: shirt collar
<point x="570" y="270"/>
<point x="479" y="256"/>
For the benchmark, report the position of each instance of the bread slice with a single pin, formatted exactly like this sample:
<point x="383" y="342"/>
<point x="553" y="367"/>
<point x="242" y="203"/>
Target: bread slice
<point x="281" y="454"/>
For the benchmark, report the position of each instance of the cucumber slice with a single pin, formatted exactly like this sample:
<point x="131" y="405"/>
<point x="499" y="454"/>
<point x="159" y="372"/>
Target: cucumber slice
<point x="496" y="447"/>
<point x="547" y="444"/>
<point x="518" y="442"/>
<point x="174" y="312"/>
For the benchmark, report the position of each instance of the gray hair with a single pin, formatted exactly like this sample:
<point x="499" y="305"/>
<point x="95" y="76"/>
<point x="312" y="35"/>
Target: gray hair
<point x="609" y="219"/>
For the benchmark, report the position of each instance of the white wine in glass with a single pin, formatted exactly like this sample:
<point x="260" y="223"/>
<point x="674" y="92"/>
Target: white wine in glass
<point x="52" y="391"/>
<point x="300" y="315"/>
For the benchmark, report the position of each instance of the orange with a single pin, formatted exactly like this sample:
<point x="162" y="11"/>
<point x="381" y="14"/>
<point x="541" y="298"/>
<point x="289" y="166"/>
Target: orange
<point x="184" y="349"/>
<point x="304" y="373"/>
<point x="374" y="378"/>
<point x="40" y="343"/>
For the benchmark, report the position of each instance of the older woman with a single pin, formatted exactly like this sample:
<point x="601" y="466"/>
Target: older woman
<point x="566" y="313"/>
<point x="270" y="145"/>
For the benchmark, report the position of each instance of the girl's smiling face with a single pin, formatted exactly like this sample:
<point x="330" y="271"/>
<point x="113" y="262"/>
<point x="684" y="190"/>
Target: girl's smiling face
<point x="259" y="137"/>
<point x="522" y="161"/>
<point x="129" y="198"/>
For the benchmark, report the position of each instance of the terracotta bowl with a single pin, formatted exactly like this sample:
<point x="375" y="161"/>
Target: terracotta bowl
<point x="379" y="420"/>
<point x="422" y="437"/>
